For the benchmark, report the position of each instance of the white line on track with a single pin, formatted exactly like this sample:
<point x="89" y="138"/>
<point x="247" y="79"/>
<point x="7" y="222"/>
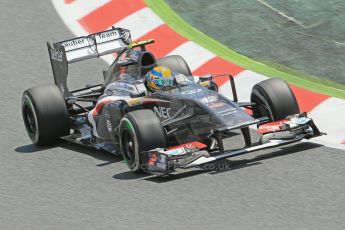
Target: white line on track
<point x="329" y="117"/>
<point x="67" y="17"/>
<point x="244" y="83"/>
<point x="140" y="22"/>
<point x="70" y="13"/>
<point x="287" y="16"/>
<point x="80" y="8"/>
<point x="194" y="54"/>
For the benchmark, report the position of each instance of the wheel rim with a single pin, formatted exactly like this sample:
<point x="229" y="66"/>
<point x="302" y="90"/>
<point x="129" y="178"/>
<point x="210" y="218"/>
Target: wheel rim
<point x="262" y="109"/>
<point x="128" y="146"/>
<point x="29" y="120"/>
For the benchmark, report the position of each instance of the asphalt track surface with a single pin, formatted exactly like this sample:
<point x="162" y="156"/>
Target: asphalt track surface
<point x="70" y="187"/>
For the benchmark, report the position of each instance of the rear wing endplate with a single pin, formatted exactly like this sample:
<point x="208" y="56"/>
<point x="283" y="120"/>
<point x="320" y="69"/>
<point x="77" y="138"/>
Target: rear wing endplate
<point x="78" y="49"/>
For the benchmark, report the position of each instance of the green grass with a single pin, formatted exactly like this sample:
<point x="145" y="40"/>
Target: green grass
<point x="163" y="10"/>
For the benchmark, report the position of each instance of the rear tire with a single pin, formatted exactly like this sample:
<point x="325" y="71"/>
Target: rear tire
<point x="274" y="99"/>
<point x="140" y="131"/>
<point x="175" y="63"/>
<point x="45" y="114"/>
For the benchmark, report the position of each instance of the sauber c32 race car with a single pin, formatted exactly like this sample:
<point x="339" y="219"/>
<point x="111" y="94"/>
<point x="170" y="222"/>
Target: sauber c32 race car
<point x="153" y="130"/>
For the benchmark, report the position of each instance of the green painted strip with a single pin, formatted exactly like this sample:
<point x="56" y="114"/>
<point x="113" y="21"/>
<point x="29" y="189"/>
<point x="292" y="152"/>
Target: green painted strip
<point x="163" y="10"/>
<point x="130" y="126"/>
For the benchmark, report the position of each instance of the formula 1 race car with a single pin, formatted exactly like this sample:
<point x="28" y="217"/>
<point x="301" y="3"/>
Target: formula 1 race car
<point x="153" y="130"/>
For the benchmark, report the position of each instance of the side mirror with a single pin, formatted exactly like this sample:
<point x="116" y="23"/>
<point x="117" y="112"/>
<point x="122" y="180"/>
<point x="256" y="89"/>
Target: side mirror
<point x="180" y="79"/>
<point x="205" y="80"/>
<point x="137" y="94"/>
<point x="207" y="77"/>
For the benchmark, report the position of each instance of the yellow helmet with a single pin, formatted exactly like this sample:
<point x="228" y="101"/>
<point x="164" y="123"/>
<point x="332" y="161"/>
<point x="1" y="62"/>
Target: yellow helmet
<point x="159" y="77"/>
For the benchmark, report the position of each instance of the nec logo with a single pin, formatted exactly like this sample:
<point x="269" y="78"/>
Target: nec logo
<point x="162" y="112"/>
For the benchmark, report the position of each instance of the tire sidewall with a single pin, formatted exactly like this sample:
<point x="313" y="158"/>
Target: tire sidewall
<point x="28" y="102"/>
<point x="50" y="114"/>
<point x="264" y="102"/>
<point x="146" y="133"/>
<point x="276" y="98"/>
<point x="126" y="125"/>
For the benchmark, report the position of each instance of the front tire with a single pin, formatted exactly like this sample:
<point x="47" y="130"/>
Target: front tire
<point x="274" y="99"/>
<point x="45" y="114"/>
<point x="140" y="131"/>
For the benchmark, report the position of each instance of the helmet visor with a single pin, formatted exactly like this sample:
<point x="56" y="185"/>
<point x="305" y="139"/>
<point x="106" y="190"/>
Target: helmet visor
<point x="163" y="82"/>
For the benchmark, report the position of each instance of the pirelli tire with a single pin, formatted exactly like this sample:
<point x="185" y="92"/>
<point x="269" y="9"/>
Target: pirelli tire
<point x="175" y="63"/>
<point x="140" y="131"/>
<point x="45" y="115"/>
<point x="275" y="99"/>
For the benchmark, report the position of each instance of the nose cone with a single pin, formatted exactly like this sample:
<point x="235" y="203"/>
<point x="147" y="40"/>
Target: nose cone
<point x="228" y="114"/>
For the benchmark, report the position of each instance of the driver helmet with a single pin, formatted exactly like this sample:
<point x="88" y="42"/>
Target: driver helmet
<point x="158" y="78"/>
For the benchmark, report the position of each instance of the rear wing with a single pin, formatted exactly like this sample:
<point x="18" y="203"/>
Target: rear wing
<point x="78" y="49"/>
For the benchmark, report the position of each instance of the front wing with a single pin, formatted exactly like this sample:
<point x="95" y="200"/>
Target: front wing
<point x="162" y="162"/>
